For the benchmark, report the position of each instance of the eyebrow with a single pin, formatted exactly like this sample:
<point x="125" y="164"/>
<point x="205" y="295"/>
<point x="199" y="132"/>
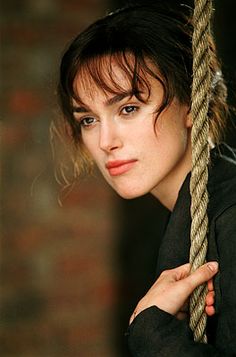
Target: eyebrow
<point x="111" y="101"/>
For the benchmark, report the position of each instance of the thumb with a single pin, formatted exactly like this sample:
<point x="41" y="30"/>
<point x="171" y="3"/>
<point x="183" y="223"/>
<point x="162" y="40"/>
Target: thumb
<point x="201" y="275"/>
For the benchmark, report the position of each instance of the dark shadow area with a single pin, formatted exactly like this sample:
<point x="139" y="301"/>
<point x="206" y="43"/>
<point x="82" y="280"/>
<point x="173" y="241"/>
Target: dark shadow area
<point x="142" y="222"/>
<point x="225" y="34"/>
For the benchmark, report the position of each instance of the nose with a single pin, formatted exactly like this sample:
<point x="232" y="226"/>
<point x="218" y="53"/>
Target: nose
<point x="110" y="139"/>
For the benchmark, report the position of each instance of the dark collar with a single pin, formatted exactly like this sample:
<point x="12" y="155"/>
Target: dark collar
<point x="175" y="246"/>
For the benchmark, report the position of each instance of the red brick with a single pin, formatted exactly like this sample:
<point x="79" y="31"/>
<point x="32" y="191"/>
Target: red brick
<point x="25" y="102"/>
<point x="14" y="135"/>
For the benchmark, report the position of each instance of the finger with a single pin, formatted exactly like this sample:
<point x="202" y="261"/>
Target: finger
<point x="210" y="310"/>
<point x="210" y="285"/>
<point x="210" y="298"/>
<point x="134" y="314"/>
<point x="201" y="275"/>
<point x="181" y="272"/>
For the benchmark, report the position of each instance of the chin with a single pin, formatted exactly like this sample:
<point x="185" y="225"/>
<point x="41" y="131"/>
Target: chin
<point x="130" y="194"/>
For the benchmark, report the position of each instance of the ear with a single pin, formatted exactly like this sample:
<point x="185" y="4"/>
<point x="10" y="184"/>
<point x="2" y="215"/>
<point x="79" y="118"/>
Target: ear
<point x="188" y="120"/>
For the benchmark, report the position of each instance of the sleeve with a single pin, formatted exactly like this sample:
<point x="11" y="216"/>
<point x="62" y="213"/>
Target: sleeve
<point x="156" y="333"/>
<point x="226" y="243"/>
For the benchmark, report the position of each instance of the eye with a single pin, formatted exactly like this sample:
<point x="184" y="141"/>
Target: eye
<point x="87" y="122"/>
<point x="129" y="109"/>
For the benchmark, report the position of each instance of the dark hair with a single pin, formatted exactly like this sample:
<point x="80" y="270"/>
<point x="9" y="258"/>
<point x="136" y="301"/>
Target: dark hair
<point x="130" y="36"/>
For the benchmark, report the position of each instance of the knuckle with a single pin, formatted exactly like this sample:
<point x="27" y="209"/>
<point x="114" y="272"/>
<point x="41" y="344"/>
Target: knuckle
<point x="165" y="273"/>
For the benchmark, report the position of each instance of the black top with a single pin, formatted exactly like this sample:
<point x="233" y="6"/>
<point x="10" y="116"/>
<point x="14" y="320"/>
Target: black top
<point x="157" y="333"/>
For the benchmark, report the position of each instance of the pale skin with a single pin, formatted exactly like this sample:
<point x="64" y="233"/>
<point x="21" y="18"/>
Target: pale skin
<point x="172" y="289"/>
<point x="121" y="128"/>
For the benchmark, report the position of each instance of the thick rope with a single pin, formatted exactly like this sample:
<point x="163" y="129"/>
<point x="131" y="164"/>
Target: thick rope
<point x="200" y="157"/>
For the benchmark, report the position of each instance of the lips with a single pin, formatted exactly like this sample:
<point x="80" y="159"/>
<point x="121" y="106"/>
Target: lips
<point x="119" y="167"/>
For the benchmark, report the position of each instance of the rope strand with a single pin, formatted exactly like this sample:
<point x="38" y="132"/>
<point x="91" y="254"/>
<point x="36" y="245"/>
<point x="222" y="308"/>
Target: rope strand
<point x="200" y="157"/>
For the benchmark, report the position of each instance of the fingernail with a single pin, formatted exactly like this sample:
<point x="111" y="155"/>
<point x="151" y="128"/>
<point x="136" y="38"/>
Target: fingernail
<point x="213" y="266"/>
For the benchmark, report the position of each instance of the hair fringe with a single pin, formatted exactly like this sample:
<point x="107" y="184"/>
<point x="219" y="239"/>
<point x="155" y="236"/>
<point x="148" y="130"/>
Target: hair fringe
<point x="70" y="161"/>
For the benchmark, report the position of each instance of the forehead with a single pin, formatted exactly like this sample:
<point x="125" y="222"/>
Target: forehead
<point x="110" y="79"/>
<point x="111" y="75"/>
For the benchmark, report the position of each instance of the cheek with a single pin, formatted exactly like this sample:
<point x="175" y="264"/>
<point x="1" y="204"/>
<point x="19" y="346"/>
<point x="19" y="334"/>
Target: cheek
<point x="173" y="130"/>
<point x="171" y="144"/>
<point x="89" y="144"/>
<point x="94" y="153"/>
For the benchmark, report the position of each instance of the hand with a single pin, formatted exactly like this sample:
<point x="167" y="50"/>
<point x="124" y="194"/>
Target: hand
<point x="172" y="289"/>
<point x="210" y="300"/>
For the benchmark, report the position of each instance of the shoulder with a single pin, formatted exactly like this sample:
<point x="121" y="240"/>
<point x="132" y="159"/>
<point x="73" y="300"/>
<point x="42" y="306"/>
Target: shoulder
<point x="222" y="182"/>
<point x="225" y="229"/>
<point x="228" y="215"/>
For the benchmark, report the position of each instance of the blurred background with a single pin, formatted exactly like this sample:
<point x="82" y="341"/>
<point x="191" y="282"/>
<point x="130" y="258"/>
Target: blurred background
<point x="73" y="263"/>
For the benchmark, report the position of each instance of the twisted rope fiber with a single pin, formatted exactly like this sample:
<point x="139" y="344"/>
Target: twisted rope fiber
<point x="200" y="157"/>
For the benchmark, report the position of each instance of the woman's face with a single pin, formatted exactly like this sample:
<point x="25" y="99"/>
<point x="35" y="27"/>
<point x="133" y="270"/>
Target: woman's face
<point x="135" y="155"/>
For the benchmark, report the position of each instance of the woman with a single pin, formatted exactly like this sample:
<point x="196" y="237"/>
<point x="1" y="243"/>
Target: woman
<point x="125" y="88"/>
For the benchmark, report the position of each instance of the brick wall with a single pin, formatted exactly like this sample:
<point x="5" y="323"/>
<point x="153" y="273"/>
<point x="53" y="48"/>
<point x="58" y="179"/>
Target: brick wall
<point x="57" y="262"/>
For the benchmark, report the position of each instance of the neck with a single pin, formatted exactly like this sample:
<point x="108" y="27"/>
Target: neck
<point x="168" y="190"/>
